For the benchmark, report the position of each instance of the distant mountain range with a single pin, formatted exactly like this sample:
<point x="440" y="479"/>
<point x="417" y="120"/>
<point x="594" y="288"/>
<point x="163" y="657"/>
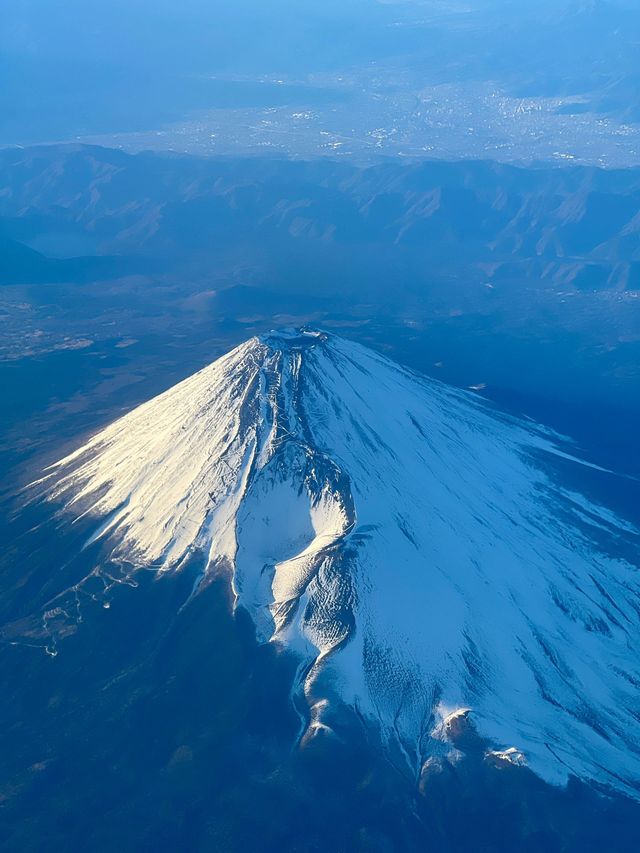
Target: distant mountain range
<point x="570" y="228"/>
<point x="524" y="280"/>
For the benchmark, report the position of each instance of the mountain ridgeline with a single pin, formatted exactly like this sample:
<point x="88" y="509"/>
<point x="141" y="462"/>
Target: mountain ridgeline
<point x="418" y="552"/>
<point x="572" y="227"/>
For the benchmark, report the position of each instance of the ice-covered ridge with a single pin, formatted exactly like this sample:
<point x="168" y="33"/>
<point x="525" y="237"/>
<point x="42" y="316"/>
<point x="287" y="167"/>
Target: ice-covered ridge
<point x="407" y="541"/>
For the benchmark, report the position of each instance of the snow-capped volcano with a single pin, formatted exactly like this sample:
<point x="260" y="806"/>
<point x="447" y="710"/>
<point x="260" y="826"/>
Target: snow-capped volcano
<point x="413" y="546"/>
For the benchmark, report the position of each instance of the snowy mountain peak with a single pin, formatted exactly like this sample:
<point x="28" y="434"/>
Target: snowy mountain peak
<point x="413" y="546"/>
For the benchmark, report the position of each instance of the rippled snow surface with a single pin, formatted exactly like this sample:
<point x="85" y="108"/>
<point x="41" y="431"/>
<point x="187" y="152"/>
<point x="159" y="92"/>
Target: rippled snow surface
<point x="411" y="544"/>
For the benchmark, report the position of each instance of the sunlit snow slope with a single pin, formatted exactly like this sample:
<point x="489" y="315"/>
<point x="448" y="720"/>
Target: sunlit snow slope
<point x="408" y="542"/>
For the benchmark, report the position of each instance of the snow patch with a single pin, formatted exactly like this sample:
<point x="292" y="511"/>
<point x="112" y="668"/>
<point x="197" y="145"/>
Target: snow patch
<point x="412" y="545"/>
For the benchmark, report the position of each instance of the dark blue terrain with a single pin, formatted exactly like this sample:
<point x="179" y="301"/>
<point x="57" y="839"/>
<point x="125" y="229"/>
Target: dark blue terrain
<point x="435" y="191"/>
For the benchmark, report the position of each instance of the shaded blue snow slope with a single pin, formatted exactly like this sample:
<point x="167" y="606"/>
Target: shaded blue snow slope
<point x="413" y="546"/>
